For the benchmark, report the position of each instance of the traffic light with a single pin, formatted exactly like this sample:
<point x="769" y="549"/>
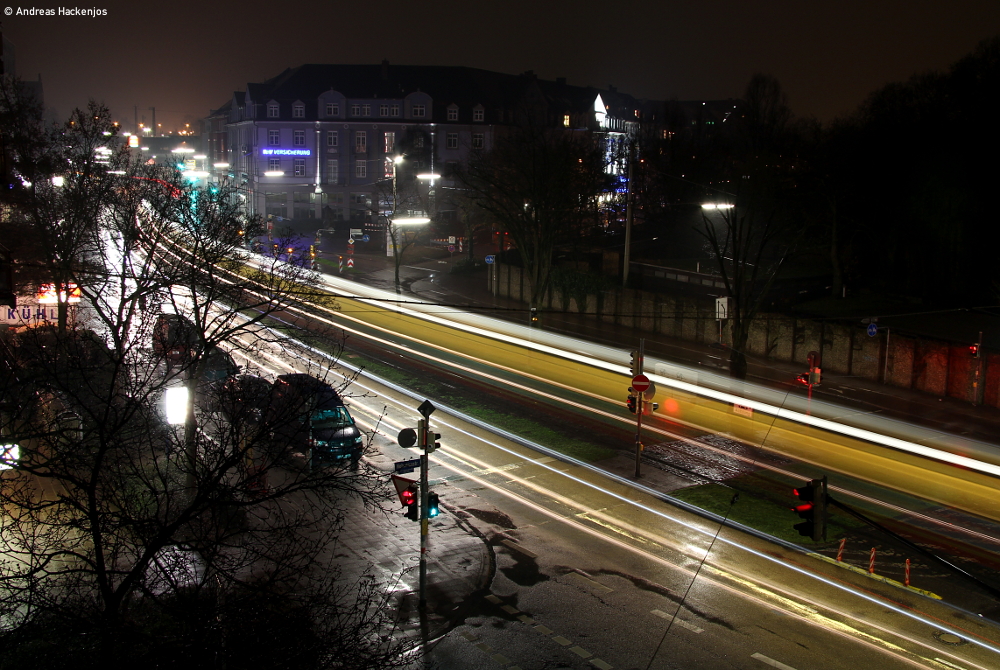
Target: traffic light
<point x="815" y="376"/>
<point x="974" y="350"/>
<point x="635" y="363"/>
<point x="432" y="441"/>
<point x="432" y="505"/>
<point x="630" y="402"/>
<point x="812" y="509"/>
<point x="534" y="315"/>
<point x="410" y="501"/>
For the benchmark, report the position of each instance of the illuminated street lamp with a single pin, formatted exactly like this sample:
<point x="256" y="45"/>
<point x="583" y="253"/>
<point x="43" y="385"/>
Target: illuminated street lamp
<point x="175" y="405"/>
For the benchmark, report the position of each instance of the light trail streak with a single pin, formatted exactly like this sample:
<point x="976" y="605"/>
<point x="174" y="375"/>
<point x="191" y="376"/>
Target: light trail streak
<point x="472" y="463"/>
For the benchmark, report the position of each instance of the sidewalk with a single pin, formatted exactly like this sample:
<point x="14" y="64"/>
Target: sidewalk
<point x="460" y="564"/>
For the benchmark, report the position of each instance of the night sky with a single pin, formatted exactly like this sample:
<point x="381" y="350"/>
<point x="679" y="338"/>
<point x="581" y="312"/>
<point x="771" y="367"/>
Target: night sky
<point x="185" y="58"/>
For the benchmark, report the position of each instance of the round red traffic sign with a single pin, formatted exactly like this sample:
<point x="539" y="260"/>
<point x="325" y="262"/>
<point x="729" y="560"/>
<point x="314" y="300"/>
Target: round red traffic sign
<point x="640" y="383"/>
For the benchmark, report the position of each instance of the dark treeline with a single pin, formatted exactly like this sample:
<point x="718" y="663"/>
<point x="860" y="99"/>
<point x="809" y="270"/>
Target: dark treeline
<point x="895" y="199"/>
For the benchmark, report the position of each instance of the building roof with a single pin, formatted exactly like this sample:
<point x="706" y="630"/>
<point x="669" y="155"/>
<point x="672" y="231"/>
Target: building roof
<point x="462" y="86"/>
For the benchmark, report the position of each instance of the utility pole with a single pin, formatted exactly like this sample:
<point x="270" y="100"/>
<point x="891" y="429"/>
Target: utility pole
<point x="628" y="219"/>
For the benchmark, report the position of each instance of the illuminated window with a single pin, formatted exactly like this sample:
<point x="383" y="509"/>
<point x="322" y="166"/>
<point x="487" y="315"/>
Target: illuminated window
<point x="388" y="172"/>
<point x="299" y="167"/>
<point x="299" y="111"/>
<point x="361" y="169"/>
<point x="566" y="120"/>
<point x="273" y="138"/>
<point x="361" y="141"/>
<point x="478" y="114"/>
<point x="453" y="113"/>
<point x="272" y="110"/>
<point x="452" y="140"/>
<point x="394" y="110"/>
<point x="383" y="110"/>
<point x="273" y="164"/>
<point x="390" y="142"/>
<point x="332" y="138"/>
<point x="478" y="140"/>
<point x="299" y="138"/>
<point x="418" y="111"/>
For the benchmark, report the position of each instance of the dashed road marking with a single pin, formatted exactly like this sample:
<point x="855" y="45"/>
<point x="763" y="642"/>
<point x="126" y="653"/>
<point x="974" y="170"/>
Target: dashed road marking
<point x="561" y="640"/>
<point x="543" y="460"/>
<point x="501" y="659"/>
<point x="543" y="629"/>
<point x="680" y="622"/>
<point x="581" y="652"/>
<point x="485" y="647"/>
<point x="601" y="665"/>
<point x="518" y="548"/>
<point x="770" y="661"/>
<point x="526" y="619"/>
<point x="469" y="636"/>
<point x="493" y="599"/>
<point x="590" y="582"/>
<point x="510" y="610"/>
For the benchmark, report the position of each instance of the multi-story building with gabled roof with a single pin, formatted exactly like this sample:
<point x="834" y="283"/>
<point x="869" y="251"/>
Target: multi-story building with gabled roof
<point x="316" y="141"/>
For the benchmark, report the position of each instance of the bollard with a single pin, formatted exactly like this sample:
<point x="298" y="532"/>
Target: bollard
<point x="871" y="563"/>
<point x="840" y="551"/>
<point x="907" y="580"/>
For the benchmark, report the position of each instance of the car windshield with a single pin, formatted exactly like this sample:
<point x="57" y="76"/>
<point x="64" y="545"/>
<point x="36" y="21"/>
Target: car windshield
<point x="331" y="419"/>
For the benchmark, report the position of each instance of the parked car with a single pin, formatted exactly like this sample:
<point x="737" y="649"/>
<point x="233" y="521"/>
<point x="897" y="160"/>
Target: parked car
<point x="311" y="415"/>
<point x="240" y="398"/>
<point x="174" y="338"/>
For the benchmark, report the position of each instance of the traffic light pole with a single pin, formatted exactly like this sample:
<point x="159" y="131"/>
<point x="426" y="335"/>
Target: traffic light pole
<point x="638" y="411"/>
<point x="423" y="430"/>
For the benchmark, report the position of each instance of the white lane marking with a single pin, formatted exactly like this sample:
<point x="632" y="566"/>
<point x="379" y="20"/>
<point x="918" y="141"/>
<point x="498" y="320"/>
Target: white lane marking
<point x="680" y="622"/>
<point x="770" y="661"/>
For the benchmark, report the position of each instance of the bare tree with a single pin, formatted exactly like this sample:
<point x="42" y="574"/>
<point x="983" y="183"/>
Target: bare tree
<point x="749" y="231"/>
<point x="126" y="538"/>
<point x="540" y="185"/>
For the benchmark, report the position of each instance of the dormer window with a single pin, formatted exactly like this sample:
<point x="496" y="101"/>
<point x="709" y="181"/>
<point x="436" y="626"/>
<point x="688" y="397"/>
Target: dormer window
<point x="478" y="114"/>
<point x="298" y="111"/>
<point x="272" y="110"/>
<point x="419" y="111"/>
<point x="453" y="113"/>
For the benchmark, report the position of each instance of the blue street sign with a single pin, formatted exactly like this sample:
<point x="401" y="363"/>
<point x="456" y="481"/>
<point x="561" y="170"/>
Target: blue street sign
<point x="407" y="466"/>
<point x="490" y="260"/>
<point x="872" y="330"/>
<point x="364" y="238"/>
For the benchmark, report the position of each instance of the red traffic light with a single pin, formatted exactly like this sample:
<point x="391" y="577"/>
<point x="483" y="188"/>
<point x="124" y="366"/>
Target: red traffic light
<point x="974" y="350"/>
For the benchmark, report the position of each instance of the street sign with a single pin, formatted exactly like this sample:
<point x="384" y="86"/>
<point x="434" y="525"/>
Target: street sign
<point x="401" y="484"/>
<point x="451" y="248"/>
<point x="350" y="240"/>
<point x="872" y="330"/>
<point x="426" y="408"/>
<point x="640" y="383"/>
<point x="407" y="466"/>
<point x="490" y="260"/>
<point x="365" y="238"/>
<point x="650" y="392"/>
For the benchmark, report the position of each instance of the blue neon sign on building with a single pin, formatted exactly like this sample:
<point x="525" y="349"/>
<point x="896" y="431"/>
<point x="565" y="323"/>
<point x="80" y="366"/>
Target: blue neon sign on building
<point x="284" y="152"/>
